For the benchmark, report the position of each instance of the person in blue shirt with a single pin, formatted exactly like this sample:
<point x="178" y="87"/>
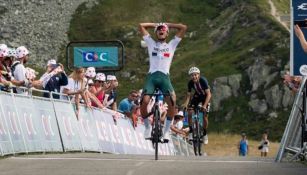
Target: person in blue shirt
<point x="243" y="145"/>
<point x="127" y="105"/>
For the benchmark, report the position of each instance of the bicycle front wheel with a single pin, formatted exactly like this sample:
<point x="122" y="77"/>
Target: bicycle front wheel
<point x="156" y="135"/>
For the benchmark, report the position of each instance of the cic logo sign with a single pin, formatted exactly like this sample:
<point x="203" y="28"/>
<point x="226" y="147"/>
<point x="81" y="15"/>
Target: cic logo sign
<point x="90" y="56"/>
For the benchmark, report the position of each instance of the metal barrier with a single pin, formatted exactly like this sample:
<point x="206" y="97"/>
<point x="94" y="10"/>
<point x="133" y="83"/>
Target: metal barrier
<point x="292" y="145"/>
<point x="30" y="123"/>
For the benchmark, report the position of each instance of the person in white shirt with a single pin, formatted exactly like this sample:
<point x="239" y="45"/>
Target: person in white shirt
<point x="160" y="58"/>
<point x="75" y="88"/>
<point x="19" y="70"/>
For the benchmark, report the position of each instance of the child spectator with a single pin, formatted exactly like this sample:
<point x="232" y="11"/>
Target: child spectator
<point x="177" y="125"/>
<point x="243" y="145"/>
<point x="264" y="145"/>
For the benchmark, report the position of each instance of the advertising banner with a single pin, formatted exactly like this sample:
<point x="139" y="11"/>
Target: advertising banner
<point x="116" y="133"/>
<point x="88" y="134"/>
<point x="6" y="146"/>
<point x="298" y="56"/>
<point x="47" y="124"/>
<point x="104" y="131"/>
<point x="144" y="146"/>
<point x="29" y="122"/>
<point x="68" y="125"/>
<point x="36" y="124"/>
<point x="13" y="123"/>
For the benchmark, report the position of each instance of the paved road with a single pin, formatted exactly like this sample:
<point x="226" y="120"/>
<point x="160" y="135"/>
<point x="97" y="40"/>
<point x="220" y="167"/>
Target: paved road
<point x="106" y="164"/>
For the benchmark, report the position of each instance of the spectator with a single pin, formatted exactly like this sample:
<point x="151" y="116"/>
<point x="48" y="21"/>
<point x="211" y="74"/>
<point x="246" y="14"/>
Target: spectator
<point x="177" y="125"/>
<point x="243" y="145"/>
<point x="5" y="70"/>
<point x="90" y="74"/>
<point x="75" y="87"/>
<point x="6" y="64"/>
<point x="292" y="82"/>
<point x="98" y="88"/>
<point x="264" y="145"/>
<point x="127" y="106"/>
<point x="111" y="94"/>
<point x="57" y="78"/>
<point x="19" y="70"/>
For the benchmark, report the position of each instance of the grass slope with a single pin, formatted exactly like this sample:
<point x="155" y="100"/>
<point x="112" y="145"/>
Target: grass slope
<point x="227" y="145"/>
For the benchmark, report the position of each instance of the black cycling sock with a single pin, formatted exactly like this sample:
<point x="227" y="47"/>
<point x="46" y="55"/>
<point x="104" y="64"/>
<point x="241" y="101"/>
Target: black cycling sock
<point x="205" y="131"/>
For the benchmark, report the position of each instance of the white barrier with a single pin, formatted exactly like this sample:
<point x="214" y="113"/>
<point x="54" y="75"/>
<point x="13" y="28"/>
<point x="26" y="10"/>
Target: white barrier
<point x="36" y="124"/>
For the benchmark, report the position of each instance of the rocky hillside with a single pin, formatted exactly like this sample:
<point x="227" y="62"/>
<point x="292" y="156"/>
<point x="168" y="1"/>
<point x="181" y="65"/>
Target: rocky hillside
<point x="238" y="45"/>
<point x="40" y="25"/>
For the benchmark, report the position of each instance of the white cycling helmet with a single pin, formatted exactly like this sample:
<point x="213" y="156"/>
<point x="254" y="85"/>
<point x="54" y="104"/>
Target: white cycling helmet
<point x="161" y="26"/>
<point x="90" y="72"/>
<point x="30" y="73"/>
<point x="100" y="77"/>
<point x="111" y="77"/>
<point x="21" y="52"/>
<point x="3" y="50"/>
<point x="194" y="70"/>
<point x="11" y="52"/>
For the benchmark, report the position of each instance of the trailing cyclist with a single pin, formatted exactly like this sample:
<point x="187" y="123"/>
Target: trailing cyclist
<point x="202" y="94"/>
<point x="160" y="58"/>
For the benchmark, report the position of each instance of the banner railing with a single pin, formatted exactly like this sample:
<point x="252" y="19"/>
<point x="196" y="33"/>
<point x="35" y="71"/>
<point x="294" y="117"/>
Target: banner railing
<point x="29" y="123"/>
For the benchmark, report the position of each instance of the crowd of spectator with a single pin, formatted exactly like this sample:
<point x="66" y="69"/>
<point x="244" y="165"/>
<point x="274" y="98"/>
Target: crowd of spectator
<point x="82" y="86"/>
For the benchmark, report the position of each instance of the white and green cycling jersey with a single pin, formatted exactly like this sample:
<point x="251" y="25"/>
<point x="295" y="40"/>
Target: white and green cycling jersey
<point x="160" y="59"/>
<point x="160" y="54"/>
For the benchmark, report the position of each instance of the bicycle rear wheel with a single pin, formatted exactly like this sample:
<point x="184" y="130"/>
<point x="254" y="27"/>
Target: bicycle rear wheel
<point x="197" y="144"/>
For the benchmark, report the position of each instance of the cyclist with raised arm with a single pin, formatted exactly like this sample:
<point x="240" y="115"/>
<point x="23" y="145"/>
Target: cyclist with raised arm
<point x="202" y="94"/>
<point x="160" y="58"/>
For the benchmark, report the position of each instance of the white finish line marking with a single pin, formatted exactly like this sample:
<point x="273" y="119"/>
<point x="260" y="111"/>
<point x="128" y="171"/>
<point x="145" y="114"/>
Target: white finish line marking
<point x="138" y="160"/>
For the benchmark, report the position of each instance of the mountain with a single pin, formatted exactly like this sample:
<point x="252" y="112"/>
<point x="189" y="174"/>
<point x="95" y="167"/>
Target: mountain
<point x="240" y="46"/>
<point x="237" y="44"/>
